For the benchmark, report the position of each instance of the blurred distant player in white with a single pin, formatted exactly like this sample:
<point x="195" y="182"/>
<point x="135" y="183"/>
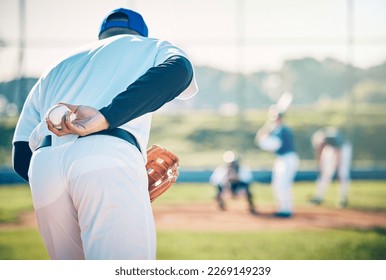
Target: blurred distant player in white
<point x="234" y="177"/>
<point x="333" y="154"/>
<point x="278" y="138"/>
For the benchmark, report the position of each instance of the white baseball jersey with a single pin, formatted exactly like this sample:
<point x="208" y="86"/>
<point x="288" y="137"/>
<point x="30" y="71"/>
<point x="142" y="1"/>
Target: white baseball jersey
<point x="119" y="62"/>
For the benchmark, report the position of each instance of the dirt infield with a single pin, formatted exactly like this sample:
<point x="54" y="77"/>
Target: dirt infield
<point x="207" y="217"/>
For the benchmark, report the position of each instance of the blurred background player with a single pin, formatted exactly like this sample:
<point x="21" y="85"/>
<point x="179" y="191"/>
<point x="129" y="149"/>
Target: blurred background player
<point x="234" y="177"/>
<point x="278" y="138"/>
<point x="333" y="154"/>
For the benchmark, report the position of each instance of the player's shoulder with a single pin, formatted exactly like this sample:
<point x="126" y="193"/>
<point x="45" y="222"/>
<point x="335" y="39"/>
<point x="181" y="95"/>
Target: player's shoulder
<point x="111" y="42"/>
<point x="134" y="41"/>
<point x="71" y="56"/>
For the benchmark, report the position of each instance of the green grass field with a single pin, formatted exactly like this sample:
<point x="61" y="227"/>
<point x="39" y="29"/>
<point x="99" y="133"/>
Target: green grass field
<point x="23" y="243"/>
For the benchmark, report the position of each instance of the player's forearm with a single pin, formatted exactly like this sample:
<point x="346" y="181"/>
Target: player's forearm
<point x="21" y="158"/>
<point x="159" y="85"/>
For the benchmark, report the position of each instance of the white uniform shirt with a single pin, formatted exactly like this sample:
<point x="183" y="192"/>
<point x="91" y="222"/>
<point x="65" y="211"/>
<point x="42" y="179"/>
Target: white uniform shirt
<point x="93" y="76"/>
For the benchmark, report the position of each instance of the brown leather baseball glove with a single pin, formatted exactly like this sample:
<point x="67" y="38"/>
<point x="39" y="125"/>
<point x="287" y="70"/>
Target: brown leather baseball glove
<point x="162" y="169"/>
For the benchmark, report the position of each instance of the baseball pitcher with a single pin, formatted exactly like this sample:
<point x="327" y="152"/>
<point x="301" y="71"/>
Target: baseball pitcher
<point x="333" y="154"/>
<point x="88" y="176"/>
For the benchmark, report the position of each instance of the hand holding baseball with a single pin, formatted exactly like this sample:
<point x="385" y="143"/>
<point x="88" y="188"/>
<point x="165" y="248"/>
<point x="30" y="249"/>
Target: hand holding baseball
<point x="57" y="113"/>
<point x="87" y="120"/>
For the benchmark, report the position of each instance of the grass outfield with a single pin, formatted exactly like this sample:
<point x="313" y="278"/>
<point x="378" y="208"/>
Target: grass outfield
<point x="14" y="200"/>
<point x="22" y="244"/>
<point x="331" y="244"/>
<point x="273" y="245"/>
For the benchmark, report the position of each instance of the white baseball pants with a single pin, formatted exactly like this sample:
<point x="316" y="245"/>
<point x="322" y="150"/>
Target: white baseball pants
<point x="91" y="200"/>
<point x="283" y="175"/>
<point x="329" y="164"/>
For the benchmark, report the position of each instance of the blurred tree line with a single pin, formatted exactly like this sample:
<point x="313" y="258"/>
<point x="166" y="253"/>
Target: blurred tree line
<point x="309" y="80"/>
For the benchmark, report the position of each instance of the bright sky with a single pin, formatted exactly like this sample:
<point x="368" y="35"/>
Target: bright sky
<point x="233" y="35"/>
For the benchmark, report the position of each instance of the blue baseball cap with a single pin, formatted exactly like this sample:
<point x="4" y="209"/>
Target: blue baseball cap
<point x="135" y="22"/>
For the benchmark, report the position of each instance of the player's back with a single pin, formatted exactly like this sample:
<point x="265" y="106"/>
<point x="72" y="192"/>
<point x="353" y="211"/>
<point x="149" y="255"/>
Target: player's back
<point x="96" y="73"/>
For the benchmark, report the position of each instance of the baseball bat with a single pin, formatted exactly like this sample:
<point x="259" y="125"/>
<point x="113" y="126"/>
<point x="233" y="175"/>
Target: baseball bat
<point x="281" y="106"/>
<point x="284" y="102"/>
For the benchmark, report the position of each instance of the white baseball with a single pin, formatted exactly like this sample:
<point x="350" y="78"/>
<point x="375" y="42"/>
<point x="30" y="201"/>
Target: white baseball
<point x="56" y="113"/>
